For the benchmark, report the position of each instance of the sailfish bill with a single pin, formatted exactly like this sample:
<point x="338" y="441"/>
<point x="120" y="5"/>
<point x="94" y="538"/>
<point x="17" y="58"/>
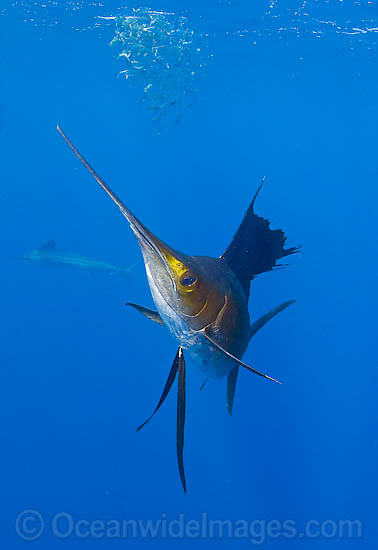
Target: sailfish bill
<point x="203" y="301"/>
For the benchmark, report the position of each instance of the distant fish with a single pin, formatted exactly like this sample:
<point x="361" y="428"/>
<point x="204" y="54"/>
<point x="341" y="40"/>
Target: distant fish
<point x="48" y="254"/>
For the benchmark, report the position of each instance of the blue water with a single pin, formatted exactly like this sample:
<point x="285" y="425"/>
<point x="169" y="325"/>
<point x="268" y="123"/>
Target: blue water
<point x="290" y="92"/>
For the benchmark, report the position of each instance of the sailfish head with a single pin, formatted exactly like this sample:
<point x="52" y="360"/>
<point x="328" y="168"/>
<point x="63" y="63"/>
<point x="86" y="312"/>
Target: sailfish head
<point x="192" y="286"/>
<point x="189" y="285"/>
<point x="182" y="282"/>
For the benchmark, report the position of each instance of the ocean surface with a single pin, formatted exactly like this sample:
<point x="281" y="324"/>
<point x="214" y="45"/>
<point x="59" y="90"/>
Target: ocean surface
<point x="282" y="89"/>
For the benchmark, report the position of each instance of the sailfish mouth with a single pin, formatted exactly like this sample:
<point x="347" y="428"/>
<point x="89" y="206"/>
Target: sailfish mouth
<point x="157" y="247"/>
<point x="143" y="235"/>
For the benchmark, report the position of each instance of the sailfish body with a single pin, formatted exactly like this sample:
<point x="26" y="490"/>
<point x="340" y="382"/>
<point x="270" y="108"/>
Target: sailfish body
<point x="225" y="317"/>
<point x="204" y="301"/>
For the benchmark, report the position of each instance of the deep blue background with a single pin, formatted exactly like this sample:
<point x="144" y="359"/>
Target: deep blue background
<point x="79" y="371"/>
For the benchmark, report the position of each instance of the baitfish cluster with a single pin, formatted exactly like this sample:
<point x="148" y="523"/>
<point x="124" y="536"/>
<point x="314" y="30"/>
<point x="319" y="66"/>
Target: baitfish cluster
<point x="163" y="57"/>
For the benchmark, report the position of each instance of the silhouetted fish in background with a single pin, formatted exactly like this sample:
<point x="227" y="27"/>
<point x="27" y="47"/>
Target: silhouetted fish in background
<point x="48" y="254"/>
<point x="204" y="301"/>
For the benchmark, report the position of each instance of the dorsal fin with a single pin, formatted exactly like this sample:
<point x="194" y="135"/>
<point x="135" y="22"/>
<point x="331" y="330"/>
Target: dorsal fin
<point x="48" y="245"/>
<point x="255" y="247"/>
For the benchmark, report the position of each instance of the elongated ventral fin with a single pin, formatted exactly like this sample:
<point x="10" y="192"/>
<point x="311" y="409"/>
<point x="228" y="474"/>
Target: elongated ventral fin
<point x="255" y="248"/>
<point x="49" y="245"/>
<point x="239" y="361"/>
<point x="167" y="387"/>
<point x="149" y="313"/>
<point x="181" y="416"/>
<point x="260" y="323"/>
<point x="177" y="367"/>
<point x="231" y="387"/>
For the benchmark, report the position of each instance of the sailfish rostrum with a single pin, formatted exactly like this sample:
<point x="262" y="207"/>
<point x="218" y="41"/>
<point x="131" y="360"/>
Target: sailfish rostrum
<point x="204" y="301"/>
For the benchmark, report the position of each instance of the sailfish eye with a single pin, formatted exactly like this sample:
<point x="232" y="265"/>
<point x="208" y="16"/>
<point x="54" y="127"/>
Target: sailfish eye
<point x="188" y="279"/>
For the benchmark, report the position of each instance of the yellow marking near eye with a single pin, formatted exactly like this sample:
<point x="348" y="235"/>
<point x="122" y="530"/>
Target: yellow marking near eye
<point x="177" y="267"/>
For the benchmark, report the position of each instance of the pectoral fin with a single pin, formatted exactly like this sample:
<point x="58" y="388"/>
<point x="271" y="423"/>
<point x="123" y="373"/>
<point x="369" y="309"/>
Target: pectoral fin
<point x="149" y="313"/>
<point x="239" y="361"/>
<point x="257" y="325"/>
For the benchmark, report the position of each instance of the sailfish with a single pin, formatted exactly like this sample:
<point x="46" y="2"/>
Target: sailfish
<point x="203" y="301"/>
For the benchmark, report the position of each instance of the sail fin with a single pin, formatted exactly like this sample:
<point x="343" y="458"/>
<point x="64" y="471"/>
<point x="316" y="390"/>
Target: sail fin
<point x="255" y="247"/>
